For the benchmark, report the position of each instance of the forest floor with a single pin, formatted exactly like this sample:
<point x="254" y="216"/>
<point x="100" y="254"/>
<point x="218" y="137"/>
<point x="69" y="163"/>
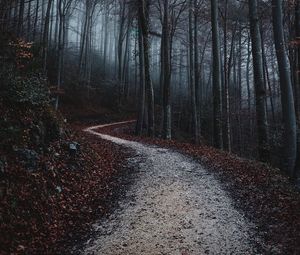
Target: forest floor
<point x="124" y="194"/>
<point x="175" y="206"/>
<point x="187" y="199"/>
<point x="48" y="209"/>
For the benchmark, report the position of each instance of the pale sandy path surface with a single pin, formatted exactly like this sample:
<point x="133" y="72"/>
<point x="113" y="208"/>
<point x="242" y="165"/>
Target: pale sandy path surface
<point x="174" y="207"/>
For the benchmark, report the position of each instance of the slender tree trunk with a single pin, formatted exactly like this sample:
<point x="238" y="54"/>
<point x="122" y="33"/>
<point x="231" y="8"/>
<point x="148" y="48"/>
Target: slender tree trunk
<point x="56" y="26"/>
<point x="166" y="65"/>
<point x="226" y="103"/>
<point x="60" y="51"/>
<point x="140" y="120"/>
<point x="46" y="35"/>
<point x="240" y="49"/>
<point x="197" y="75"/>
<point x="83" y="44"/>
<point x="51" y="26"/>
<point x="21" y="18"/>
<point x="217" y="103"/>
<point x="105" y="39"/>
<point x="144" y="19"/>
<point x="192" y="71"/>
<point x="287" y="99"/>
<point x="297" y="82"/>
<point x="268" y="82"/>
<point x="120" y="49"/>
<point x="28" y="20"/>
<point x="260" y="92"/>
<point x="126" y="63"/>
<point x="297" y="61"/>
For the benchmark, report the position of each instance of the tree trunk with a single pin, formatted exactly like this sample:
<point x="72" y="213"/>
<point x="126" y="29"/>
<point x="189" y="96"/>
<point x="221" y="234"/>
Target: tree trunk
<point x="217" y="103"/>
<point x="120" y="50"/>
<point x="166" y="67"/>
<point x="60" y="51"/>
<point x="287" y="99"/>
<point x="297" y="83"/>
<point x="297" y="61"/>
<point x="46" y="35"/>
<point x="226" y="103"/>
<point x="105" y="39"/>
<point x="144" y="19"/>
<point x="197" y="124"/>
<point x="21" y="18"/>
<point x="28" y="20"/>
<point x="192" y="71"/>
<point x="260" y="92"/>
<point x="140" y="120"/>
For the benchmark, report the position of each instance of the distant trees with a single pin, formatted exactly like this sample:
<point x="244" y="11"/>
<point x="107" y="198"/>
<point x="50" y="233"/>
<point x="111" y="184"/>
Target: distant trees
<point x="203" y="71"/>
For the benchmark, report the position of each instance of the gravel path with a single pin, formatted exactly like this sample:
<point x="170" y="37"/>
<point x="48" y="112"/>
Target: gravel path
<point x="175" y="206"/>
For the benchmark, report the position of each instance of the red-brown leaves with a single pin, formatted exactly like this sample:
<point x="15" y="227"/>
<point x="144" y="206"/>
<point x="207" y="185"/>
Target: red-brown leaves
<point x="265" y="194"/>
<point x="43" y="210"/>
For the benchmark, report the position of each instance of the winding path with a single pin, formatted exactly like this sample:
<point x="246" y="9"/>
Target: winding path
<point x="175" y="206"/>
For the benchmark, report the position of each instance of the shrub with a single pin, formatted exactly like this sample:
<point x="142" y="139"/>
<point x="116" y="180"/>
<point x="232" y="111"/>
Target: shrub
<point x="28" y="90"/>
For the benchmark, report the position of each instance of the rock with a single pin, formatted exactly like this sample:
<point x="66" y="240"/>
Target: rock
<point x="59" y="189"/>
<point x="2" y="167"/>
<point x="74" y="148"/>
<point x="28" y="157"/>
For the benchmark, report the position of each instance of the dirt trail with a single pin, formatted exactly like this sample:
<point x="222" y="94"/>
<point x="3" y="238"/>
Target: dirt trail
<point x="175" y="206"/>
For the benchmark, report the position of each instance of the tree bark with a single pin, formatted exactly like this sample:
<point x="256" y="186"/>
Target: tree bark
<point x="192" y="71"/>
<point x="144" y="19"/>
<point x="197" y="73"/>
<point x="260" y="92"/>
<point x="217" y="103"/>
<point x="287" y="99"/>
<point x="140" y="120"/>
<point x="20" y="18"/>
<point x="166" y="73"/>
<point x="46" y="35"/>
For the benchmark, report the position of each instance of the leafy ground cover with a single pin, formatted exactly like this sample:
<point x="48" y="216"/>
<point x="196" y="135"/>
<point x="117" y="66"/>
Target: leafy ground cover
<point x="48" y="209"/>
<point x="264" y="194"/>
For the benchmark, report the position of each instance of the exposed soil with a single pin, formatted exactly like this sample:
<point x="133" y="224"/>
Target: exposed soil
<point x="175" y="206"/>
<point x="51" y="208"/>
<point x="265" y="195"/>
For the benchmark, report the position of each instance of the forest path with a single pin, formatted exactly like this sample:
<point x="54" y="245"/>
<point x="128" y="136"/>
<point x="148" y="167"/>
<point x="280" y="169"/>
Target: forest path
<point x="174" y="206"/>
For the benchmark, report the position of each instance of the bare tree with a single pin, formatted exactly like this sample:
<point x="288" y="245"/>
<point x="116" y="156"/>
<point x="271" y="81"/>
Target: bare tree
<point x="260" y="92"/>
<point x="217" y="103"/>
<point x="144" y="26"/>
<point x="287" y="99"/>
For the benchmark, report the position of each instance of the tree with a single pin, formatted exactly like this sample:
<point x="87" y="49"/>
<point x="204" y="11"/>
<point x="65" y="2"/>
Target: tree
<point x="141" y="109"/>
<point x="144" y="21"/>
<point x="166" y="71"/>
<point x="287" y="99"/>
<point x="20" y="18"/>
<point x="46" y="35"/>
<point x="63" y="10"/>
<point x="193" y="71"/>
<point x="217" y="103"/>
<point x="226" y="103"/>
<point x="260" y="92"/>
